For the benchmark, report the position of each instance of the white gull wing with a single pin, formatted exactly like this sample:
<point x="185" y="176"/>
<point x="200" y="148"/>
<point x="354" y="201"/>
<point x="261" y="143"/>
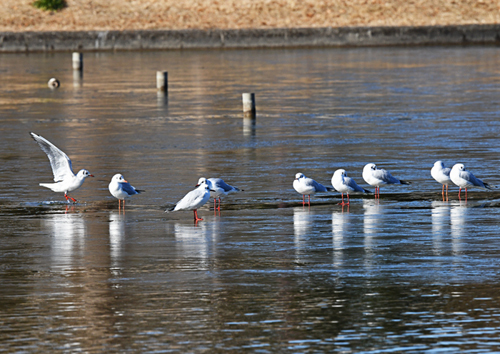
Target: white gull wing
<point x="59" y="161"/>
<point x="194" y="199"/>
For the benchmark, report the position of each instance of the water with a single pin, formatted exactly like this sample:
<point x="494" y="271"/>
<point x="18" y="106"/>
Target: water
<point x="409" y="273"/>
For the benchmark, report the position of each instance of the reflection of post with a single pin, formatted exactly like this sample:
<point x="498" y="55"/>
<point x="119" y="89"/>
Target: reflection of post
<point x="248" y="127"/>
<point x="77" y="78"/>
<point x="249" y="105"/>
<point x="78" y="61"/>
<point x="162" y="81"/>
<point x="161" y="99"/>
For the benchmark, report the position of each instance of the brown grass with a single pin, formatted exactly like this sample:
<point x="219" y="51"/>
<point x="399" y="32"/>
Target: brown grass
<point x="19" y="15"/>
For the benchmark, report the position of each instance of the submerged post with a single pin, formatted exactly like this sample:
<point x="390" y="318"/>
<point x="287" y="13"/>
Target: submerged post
<point x="77" y="61"/>
<point x="54" y="83"/>
<point x="162" y="81"/>
<point x="248" y="105"/>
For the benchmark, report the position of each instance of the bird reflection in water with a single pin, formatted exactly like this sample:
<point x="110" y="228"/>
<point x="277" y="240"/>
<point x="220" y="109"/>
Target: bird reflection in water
<point x="116" y="236"/>
<point x="302" y="219"/>
<point x="68" y="233"/>
<point x="340" y="225"/>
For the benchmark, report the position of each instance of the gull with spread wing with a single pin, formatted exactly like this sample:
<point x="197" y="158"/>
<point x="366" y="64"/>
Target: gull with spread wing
<point x="65" y="180"/>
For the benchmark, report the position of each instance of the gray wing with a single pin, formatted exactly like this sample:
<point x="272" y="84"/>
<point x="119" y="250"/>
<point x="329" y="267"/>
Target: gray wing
<point x="127" y="188"/>
<point x="59" y="161"/>
<point x="317" y="186"/>
<point x="219" y="183"/>
<point x="468" y="176"/>
<point x="385" y="176"/>
<point x="352" y="183"/>
<point x="446" y="171"/>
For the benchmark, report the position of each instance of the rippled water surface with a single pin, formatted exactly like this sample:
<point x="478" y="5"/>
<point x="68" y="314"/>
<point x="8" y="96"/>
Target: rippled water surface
<point x="408" y="273"/>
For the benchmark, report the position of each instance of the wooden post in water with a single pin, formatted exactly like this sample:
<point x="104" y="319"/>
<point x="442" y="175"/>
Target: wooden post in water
<point x="77" y="61"/>
<point x="162" y="81"/>
<point x="248" y="105"/>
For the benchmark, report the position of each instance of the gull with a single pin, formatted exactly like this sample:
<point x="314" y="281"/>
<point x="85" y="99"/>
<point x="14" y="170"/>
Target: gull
<point x="442" y="175"/>
<point x="344" y="184"/>
<point x="376" y="178"/>
<point x="194" y="199"/>
<point x="121" y="189"/>
<point x="220" y="188"/>
<point x="308" y="186"/>
<point x="465" y="179"/>
<point x="65" y="179"/>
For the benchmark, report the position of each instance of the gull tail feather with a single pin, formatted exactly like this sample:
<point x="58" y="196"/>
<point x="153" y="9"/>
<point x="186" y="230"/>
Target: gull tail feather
<point x="169" y="210"/>
<point x="489" y="186"/>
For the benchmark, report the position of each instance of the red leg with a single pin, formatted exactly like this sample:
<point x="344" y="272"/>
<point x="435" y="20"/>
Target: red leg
<point x="196" y="218"/>
<point x="459" y="190"/>
<point x="309" y="200"/>
<point x="219" y="204"/>
<point x="348" y="201"/>
<point x="465" y="193"/>
<point x="303" y="199"/>
<point x="68" y="198"/>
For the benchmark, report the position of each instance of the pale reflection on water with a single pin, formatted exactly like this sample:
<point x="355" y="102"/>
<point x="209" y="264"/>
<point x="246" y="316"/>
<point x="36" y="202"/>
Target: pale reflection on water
<point x="68" y="234"/>
<point x="402" y="274"/>
<point x="116" y="237"/>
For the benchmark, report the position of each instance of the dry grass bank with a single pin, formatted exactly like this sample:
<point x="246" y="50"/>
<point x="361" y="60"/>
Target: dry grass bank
<point x="19" y="15"/>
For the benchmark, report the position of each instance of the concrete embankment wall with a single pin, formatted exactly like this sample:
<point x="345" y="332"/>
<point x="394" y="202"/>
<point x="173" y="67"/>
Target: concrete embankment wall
<point x="247" y="38"/>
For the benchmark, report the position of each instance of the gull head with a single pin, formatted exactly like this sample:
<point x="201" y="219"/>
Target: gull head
<point x="370" y="166"/>
<point x="439" y="164"/>
<point x="340" y="172"/>
<point x="84" y="174"/>
<point x="459" y="166"/>
<point x="204" y="182"/>
<point x="299" y="176"/>
<point x="119" y="178"/>
<point x="201" y="181"/>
